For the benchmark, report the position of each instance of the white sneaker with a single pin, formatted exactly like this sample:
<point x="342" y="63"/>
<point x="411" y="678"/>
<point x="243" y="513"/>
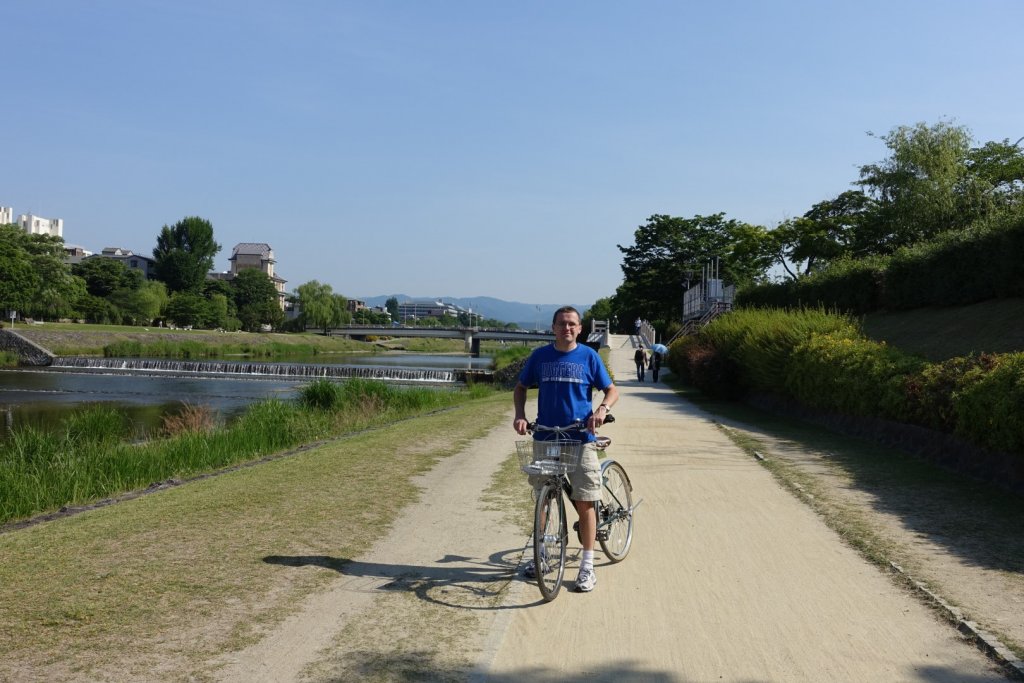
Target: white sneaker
<point x="586" y="580"/>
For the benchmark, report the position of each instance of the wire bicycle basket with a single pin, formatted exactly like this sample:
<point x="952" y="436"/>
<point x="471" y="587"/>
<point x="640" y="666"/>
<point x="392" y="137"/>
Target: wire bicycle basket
<point x="549" y="458"/>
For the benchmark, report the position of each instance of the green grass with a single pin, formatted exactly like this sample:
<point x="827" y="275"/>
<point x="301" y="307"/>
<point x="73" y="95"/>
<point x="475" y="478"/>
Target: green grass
<point x="190" y="572"/>
<point x="41" y="470"/>
<point x="69" y="339"/>
<point x="995" y="326"/>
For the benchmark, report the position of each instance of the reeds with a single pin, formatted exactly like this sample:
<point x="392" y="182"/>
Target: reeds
<point x="93" y="456"/>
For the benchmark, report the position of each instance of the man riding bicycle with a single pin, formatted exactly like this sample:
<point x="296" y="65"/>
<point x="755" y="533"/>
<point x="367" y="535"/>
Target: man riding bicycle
<point x="565" y="373"/>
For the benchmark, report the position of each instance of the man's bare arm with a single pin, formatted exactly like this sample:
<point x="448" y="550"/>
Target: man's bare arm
<point x="519" y="422"/>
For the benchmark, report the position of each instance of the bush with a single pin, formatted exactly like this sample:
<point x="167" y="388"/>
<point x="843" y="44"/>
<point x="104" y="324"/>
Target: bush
<point x="855" y="376"/>
<point x="760" y="343"/>
<point x="932" y="393"/>
<point x="990" y="405"/>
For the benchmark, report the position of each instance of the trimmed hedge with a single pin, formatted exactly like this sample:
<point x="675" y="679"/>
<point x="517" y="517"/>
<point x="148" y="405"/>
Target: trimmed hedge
<point x="958" y="267"/>
<point x="822" y="361"/>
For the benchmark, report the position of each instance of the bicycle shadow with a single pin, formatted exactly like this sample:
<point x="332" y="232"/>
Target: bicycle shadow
<point x="453" y="580"/>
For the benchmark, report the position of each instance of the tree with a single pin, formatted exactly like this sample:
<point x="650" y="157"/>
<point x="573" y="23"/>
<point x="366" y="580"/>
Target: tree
<point x="919" y="187"/>
<point x="142" y="305"/>
<point x="18" y="280"/>
<point x="186" y="309"/>
<point x="828" y="231"/>
<point x="256" y="300"/>
<point x="603" y="309"/>
<point x="370" y="317"/>
<point x="392" y="307"/>
<point x="184" y="254"/>
<point x="321" y="307"/>
<point x="34" y="280"/>
<point x="998" y="168"/>
<point x="668" y="251"/>
<point x="104" y="275"/>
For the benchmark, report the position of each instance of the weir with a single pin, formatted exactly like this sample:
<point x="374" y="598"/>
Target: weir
<point x="256" y="370"/>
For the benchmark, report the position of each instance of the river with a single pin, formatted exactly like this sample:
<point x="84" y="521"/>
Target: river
<point x="41" y="397"/>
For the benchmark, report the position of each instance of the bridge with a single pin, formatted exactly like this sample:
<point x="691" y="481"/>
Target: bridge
<point x="471" y="335"/>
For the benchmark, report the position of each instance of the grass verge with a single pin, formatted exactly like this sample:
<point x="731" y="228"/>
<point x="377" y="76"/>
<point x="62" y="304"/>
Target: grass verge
<point x="155" y="587"/>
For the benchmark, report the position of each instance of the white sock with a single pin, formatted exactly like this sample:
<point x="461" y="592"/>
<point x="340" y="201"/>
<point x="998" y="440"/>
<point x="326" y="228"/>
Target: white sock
<point x="588" y="560"/>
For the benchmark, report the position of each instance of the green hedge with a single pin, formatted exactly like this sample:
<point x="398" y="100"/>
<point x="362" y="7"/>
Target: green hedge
<point x="853" y="376"/>
<point x="822" y="361"/>
<point x="978" y="263"/>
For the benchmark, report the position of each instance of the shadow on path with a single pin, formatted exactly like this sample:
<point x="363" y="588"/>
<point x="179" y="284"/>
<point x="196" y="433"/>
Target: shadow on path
<point x="465" y="583"/>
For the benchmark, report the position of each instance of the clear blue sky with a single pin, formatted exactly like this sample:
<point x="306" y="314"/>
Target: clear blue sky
<point x="473" y="148"/>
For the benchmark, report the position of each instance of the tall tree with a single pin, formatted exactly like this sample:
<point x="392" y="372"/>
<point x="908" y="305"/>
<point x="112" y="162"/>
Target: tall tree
<point x="184" y="254"/>
<point x="392" y="307"/>
<point x="256" y="299"/>
<point x="918" y="188"/>
<point x="34" y="280"/>
<point x="669" y="252"/>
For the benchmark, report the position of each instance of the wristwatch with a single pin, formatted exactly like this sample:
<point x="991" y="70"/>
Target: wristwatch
<point x="605" y="406"/>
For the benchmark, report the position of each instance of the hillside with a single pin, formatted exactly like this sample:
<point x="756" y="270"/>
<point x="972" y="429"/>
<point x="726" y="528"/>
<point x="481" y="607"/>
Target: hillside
<point x="995" y="326"/>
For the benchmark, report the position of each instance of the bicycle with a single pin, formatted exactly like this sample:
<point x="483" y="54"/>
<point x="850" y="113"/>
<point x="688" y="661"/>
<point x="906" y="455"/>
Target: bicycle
<point x="555" y="460"/>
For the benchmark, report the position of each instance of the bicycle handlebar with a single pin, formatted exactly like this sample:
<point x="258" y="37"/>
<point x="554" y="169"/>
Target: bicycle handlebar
<point x="576" y="426"/>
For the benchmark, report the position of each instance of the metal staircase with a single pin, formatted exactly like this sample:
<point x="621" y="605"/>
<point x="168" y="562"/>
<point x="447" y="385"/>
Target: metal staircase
<point x="715" y="309"/>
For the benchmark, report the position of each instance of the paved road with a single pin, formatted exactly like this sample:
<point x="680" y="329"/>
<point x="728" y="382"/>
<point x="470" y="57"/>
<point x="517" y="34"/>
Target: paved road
<point x="730" y="579"/>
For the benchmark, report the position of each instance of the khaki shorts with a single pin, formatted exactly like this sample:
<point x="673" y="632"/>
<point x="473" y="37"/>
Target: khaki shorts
<point x="585" y="479"/>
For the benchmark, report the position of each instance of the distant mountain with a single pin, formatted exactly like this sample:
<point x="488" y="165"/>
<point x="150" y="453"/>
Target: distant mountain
<point x="527" y="316"/>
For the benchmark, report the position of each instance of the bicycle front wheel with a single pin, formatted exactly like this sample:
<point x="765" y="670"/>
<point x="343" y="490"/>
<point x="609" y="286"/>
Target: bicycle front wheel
<point x="615" y="517"/>
<point x="550" y="538"/>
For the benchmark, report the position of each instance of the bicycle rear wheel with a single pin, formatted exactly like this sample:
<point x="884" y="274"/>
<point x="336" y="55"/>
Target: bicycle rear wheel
<point x="550" y="539"/>
<point x="615" y="517"/>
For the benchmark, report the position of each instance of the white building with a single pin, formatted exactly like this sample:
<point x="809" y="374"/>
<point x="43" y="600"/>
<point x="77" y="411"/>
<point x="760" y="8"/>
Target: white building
<point x="33" y="225"/>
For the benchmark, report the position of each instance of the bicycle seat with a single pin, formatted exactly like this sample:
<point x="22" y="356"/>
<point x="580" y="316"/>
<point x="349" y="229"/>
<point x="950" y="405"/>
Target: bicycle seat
<point x="603" y="442"/>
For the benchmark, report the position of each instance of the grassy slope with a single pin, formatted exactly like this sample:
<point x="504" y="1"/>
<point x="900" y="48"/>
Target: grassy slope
<point x="995" y="326"/>
<point x="74" y="339"/>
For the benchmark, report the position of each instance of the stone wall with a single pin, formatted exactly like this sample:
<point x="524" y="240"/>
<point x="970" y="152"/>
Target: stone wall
<point x="28" y="352"/>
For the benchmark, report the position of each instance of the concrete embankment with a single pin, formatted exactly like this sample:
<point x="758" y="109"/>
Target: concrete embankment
<point x="28" y="352"/>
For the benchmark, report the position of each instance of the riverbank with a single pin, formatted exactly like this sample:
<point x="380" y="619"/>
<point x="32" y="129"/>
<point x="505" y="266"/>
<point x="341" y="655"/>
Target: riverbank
<point x="93" y="454"/>
<point x="161" y="586"/>
<point x="68" y="339"/>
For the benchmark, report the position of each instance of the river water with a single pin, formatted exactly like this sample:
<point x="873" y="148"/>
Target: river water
<point x="41" y="397"/>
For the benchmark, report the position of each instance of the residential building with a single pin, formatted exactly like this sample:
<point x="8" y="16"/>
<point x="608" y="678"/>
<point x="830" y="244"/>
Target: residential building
<point x="258" y="255"/>
<point x="74" y="253"/>
<point x="355" y="305"/>
<point x="143" y="264"/>
<point x="6" y="215"/>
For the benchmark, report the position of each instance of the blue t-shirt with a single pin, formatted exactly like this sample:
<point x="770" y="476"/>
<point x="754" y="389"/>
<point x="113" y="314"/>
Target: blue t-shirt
<point x="566" y="381"/>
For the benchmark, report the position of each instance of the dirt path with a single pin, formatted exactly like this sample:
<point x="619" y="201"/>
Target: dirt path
<point x="730" y="579"/>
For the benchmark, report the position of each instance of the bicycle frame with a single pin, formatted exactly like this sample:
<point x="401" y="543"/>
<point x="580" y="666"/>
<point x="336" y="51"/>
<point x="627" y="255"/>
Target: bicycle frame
<point x="613" y="513"/>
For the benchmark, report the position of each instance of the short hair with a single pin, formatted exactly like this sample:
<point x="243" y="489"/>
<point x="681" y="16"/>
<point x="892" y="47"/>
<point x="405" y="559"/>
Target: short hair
<point x="566" y="309"/>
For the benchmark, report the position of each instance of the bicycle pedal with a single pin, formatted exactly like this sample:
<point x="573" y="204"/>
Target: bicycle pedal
<point x="576" y="527"/>
<point x="602" y="534"/>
